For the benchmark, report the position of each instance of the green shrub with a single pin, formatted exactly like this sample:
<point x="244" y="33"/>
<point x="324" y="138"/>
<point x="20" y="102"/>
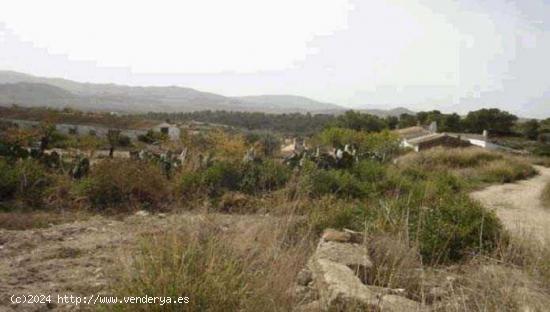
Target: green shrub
<point x="213" y="181"/>
<point x="33" y="180"/>
<point x="221" y="176"/>
<point x="8" y="180"/>
<point x="369" y="170"/>
<point x="436" y="215"/>
<point x="455" y="227"/>
<point x="190" y="185"/>
<point x="330" y="212"/>
<point x="338" y="182"/>
<point x="124" y="140"/>
<point x="26" y="180"/>
<point x="122" y="182"/>
<point x="265" y="176"/>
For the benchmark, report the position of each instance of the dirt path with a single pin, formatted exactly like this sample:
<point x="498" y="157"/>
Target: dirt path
<point x="78" y="258"/>
<point x="518" y="205"/>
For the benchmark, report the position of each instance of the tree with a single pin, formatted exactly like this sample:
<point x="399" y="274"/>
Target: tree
<point x="493" y="119"/>
<point x="113" y="136"/>
<point x="450" y="123"/>
<point x="407" y="120"/>
<point x="360" y="122"/>
<point x="529" y="129"/>
<point x="425" y="118"/>
<point x="392" y="122"/>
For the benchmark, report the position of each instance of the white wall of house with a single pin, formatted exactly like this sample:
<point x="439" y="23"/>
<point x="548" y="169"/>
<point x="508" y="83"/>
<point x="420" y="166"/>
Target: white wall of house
<point x="173" y="132"/>
<point x="477" y="142"/>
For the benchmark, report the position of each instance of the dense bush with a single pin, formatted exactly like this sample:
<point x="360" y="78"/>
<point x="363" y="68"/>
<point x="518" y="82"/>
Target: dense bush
<point x="438" y="217"/>
<point x="330" y="212"/>
<point x="33" y="181"/>
<point x="224" y="176"/>
<point x="263" y="176"/>
<point x="338" y="182"/>
<point x="213" y="181"/>
<point x="8" y="180"/>
<point x="121" y="182"/>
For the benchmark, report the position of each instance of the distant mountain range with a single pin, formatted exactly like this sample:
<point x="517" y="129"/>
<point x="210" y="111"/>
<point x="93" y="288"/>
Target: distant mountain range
<point x="31" y="91"/>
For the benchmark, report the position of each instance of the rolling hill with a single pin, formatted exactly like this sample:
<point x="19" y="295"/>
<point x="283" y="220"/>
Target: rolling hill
<point x="31" y="91"/>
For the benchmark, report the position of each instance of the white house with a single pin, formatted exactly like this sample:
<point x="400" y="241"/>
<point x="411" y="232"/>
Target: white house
<point x="171" y="130"/>
<point x="419" y="137"/>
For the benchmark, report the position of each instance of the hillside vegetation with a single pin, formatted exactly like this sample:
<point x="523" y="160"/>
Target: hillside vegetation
<point x="413" y="208"/>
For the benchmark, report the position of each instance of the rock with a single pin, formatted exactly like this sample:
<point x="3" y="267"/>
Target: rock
<point x="352" y="255"/>
<point x="304" y="277"/>
<point x="339" y="288"/>
<point x="142" y="213"/>
<point x="356" y="237"/>
<point x="393" y="303"/>
<point x="332" y="235"/>
<point x="161" y="215"/>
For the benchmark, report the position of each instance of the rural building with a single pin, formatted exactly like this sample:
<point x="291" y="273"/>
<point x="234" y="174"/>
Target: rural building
<point x="78" y="129"/>
<point x="436" y="139"/>
<point x="171" y="130"/>
<point x="481" y="140"/>
<point x="419" y="138"/>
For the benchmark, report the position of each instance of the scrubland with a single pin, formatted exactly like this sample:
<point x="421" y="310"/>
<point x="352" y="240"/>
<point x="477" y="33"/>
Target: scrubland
<point x="414" y="209"/>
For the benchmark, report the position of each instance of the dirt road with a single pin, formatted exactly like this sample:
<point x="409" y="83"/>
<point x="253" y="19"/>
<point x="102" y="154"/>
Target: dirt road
<point x="518" y="205"/>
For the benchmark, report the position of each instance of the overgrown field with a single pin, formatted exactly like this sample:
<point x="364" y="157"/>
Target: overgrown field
<point x="414" y="208"/>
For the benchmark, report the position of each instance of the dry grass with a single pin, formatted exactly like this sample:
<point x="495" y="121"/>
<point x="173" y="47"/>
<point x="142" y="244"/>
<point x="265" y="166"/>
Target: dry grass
<point x="546" y="195"/>
<point x="476" y="166"/>
<point x="246" y="269"/>
<point x="541" y="161"/>
<point x="17" y="220"/>
<point x="516" y="278"/>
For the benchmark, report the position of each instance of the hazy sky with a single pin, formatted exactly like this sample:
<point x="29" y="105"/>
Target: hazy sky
<point x="450" y="55"/>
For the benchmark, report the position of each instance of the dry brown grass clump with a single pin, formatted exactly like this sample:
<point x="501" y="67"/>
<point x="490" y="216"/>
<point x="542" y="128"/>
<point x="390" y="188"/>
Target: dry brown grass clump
<point x="493" y="287"/>
<point x="515" y="278"/>
<point x="250" y="268"/>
